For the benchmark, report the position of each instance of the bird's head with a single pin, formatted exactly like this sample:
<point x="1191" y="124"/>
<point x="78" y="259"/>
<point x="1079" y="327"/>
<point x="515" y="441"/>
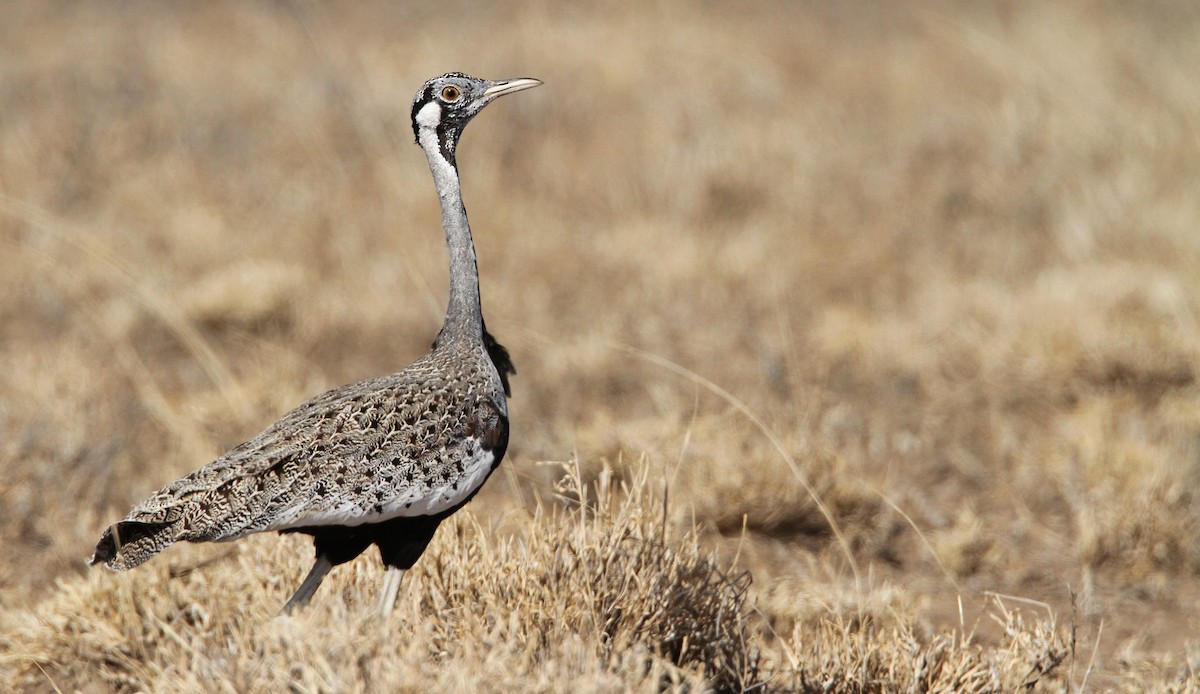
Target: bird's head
<point x="444" y="105"/>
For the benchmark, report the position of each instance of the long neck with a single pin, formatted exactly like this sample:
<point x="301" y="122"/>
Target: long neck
<point x="464" y="318"/>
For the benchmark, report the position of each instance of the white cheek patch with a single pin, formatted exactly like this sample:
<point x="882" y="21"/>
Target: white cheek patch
<point x="427" y="120"/>
<point x="429" y="115"/>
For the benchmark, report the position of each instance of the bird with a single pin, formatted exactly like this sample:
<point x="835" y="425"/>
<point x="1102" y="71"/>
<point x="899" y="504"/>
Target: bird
<point x="379" y="462"/>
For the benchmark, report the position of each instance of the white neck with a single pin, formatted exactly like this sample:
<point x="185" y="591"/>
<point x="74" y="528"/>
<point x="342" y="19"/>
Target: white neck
<point x="464" y="318"/>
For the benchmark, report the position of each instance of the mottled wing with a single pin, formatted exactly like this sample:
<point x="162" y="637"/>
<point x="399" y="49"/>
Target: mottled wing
<point x="244" y="489"/>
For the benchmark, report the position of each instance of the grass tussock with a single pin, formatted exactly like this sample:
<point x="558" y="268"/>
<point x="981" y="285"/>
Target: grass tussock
<point x="846" y="655"/>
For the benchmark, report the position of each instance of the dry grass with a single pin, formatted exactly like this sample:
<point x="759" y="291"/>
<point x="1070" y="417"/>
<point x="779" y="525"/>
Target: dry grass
<point x="900" y="303"/>
<point x="602" y="590"/>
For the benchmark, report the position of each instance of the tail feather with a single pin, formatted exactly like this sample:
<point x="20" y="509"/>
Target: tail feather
<point x="130" y="543"/>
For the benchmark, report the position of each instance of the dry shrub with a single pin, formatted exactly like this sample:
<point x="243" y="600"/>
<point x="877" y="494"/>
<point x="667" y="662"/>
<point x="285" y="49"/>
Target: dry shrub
<point x="608" y="567"/>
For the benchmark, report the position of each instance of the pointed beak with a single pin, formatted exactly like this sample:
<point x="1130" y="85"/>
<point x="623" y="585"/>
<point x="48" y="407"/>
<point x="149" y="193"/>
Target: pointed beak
<point x="503" y="87"/>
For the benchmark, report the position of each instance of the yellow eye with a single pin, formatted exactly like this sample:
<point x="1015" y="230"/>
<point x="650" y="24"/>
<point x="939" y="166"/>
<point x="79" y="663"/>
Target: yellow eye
<point x="451" y="93"/>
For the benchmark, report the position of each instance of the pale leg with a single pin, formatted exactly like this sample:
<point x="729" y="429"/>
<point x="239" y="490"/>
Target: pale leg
<point x="391" y="588"/>
<point x="305" y="592"/>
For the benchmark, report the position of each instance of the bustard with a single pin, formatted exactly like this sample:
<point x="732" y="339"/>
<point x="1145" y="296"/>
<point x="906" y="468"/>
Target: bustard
<point x="379" y="462"/>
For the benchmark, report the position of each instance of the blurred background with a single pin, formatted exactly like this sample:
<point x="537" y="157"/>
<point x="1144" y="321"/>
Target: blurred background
<point x="934" y="264"/>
